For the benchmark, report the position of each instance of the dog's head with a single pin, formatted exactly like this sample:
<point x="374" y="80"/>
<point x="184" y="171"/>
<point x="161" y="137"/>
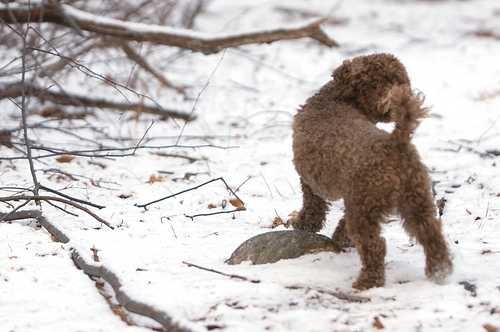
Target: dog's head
<point x="366" y="82"/>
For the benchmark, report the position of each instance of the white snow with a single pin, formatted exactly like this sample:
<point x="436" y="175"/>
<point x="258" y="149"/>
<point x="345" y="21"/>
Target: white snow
<point x="248" y="106"/>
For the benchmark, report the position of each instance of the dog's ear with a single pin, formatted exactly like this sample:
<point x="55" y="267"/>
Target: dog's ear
<point x="342" y="70"/>
<point x="343" y="80"/>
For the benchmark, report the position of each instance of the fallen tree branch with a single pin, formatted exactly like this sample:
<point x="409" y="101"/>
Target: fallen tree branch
<point x="15" y="90"/>
<point x="144" y="309"/>
<point x="69" y="16"/>
<point x="98" y="270"/>
<point x="56" y="199"/>
<point x="58" y="235"/>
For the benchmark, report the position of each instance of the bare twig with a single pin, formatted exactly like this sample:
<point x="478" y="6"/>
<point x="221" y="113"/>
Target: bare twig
<point x="214" y="213"/>
<point x="180" y="156"/>
<point x="145" y="205"/>
<point x="195" y="103"/>
<point x="194" y="41"/>
<point x="232" y="276"/>
<point x="23" y="112"/>
<point x="338" y="294"/>
<point x="241" y="185"/>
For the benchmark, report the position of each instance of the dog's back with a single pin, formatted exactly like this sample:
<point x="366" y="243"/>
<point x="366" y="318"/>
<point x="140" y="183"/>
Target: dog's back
<point x="333" y="145"/>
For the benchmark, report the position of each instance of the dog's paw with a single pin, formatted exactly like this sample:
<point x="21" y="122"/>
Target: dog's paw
<point x="366" y="281"/>
<point x="439" y="271"/>
<point x="293" y="219"/>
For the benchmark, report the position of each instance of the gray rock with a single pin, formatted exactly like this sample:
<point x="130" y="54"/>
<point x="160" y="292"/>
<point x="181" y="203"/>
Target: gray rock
<point x="272" y="246"/>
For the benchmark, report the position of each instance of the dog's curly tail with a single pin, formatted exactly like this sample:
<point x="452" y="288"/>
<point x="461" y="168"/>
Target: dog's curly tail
<point x="406" y="110"/>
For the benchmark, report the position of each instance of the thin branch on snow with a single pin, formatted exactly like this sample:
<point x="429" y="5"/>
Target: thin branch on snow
<point x="180" y="156"/>
<point x="336" y="293"/>
<point x="232" y="276"/>
<point x="145" y="205"/>
<point x="214" y="213"/>
<point x="69" y="16"/>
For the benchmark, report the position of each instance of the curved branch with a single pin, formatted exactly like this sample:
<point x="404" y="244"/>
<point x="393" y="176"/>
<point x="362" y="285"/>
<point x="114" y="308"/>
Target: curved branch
<point x="195" y="41"/>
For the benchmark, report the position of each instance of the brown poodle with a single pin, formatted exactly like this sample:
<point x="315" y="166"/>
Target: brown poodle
<point x="340" y="153"/>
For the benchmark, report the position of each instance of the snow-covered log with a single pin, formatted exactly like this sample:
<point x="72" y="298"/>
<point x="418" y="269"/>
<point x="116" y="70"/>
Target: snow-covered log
<point x="66" y="15"/>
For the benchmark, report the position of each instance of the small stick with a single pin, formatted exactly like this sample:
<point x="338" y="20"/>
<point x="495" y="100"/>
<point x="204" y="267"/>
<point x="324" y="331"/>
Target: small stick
<point x="214" y="213"/>
<point x="338" y="294"/>
<point x="180" y="156"/>
<point x="232" y="276"/>
<point x="145" y="205"/>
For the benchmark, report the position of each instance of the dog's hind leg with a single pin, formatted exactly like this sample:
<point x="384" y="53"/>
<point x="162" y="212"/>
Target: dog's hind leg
<point x="418" y="213"/>
<point x="340" y="236"/>
<point x="363" y="228"/>
<point x="312" y="215"/>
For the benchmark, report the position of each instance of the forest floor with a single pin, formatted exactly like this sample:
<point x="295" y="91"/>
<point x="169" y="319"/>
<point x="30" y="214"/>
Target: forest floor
<point x="450" y="49"/>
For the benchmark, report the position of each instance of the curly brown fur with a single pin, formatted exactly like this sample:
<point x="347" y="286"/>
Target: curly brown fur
<point x="340" y="153"/>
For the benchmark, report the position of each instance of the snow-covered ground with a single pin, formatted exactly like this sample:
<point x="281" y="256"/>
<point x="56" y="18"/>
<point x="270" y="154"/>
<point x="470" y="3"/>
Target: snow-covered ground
<point x="246" y="112"/>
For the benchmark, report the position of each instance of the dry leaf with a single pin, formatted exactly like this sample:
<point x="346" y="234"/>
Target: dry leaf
<point x="211" y="206"/>
<point x="485" y="33"/>
<point x="155" y="178"/>
<point x="6" y="138"/>
<point x="490" y="328"/>
<point x="52" y="112"/>
<point x="65" y="158"/>
<point x="377" y="323"/>
<point x="237" y="203"/>
<point x="277" y="222"/>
